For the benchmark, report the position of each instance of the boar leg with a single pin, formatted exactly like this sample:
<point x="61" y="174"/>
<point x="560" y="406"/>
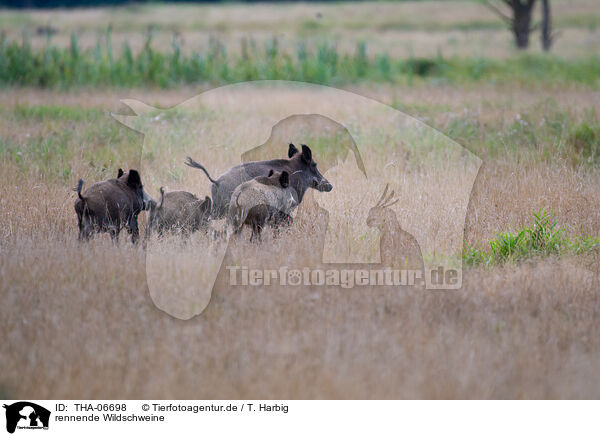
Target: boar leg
<point x="84" y="233"/>
<point x="84" y="228"/>
<point x="135" y="231"/>
<point x="278" y="219"/>
<point x="256" y="231"/>
<point x="80" y="225"/>
<point x="114" y="234"/>
<point x="81" y="228"/>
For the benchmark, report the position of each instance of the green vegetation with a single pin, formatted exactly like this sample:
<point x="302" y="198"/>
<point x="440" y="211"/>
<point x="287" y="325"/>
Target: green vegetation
<point x="55" y="112"/>
<point x="585" y="138"/>
<point x="61" y="135"/>
<point x="542" y="133"/>
<point x="58" y="67"/>
<point x="542" y="239"/>
<point x="57" y="133"/>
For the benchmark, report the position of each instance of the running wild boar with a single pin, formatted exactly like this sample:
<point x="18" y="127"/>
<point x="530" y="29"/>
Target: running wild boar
<point x="259" y="201"/>
<point x="110" y="205"/>
<point x="300" y="166"/>
<point x="178" y="211"/>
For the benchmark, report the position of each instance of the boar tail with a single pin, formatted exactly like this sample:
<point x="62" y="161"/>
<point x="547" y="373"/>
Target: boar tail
<point x="78" y="189"/>
<point x="162" y="198"/>
<point x="192" y="163"/>
<point x="237" y="203"/>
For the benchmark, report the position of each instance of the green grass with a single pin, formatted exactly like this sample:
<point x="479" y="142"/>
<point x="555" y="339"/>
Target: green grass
<point x="585" y="138"/>
<point x="61" y="135"/>
<point x="56" y="112"/>
<point x="59" y="132"/>
<point x="58" y="67"/>
<point x="543" y="133"/>
<point x="542" y="239"/>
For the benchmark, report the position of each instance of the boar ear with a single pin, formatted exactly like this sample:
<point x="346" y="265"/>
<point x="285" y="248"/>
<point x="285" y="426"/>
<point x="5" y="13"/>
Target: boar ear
<point x="270" y="173"/>
<point x="119" y="173"/>
<point x="284" y="179"/>
<point x="133" y="179"/>
<point x="306" y="154"/>
<point x="292" y="150"/>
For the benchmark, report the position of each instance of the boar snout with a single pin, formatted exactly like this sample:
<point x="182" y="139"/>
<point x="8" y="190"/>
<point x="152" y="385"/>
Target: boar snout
<point x="324" y="186"/>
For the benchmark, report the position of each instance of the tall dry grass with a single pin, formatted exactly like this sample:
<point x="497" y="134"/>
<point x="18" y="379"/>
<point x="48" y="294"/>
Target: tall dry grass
<point x="79" y="321"/>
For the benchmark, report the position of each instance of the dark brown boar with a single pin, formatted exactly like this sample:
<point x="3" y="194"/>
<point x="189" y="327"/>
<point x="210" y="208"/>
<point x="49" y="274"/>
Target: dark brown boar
<point x="300" y="165"/>
<point x="110" y="205"/>
<point x="179" y="211"/>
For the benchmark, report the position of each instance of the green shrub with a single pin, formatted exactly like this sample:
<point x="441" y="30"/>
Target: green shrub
<point x="542" y="239"/>
<point x="585" y="139"/>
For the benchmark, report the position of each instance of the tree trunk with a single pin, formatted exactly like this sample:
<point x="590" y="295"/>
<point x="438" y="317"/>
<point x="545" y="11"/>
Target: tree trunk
<point x="522" y="22"/>
<point x="546" y="25"/>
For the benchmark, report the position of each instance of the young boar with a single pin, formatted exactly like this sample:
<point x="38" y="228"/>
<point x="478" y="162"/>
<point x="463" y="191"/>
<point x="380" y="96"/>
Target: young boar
<point x="302" y="170"/>
<point x="110" y="205"/>
<point x="261" y="200"/>
<point x="178" y="211"/>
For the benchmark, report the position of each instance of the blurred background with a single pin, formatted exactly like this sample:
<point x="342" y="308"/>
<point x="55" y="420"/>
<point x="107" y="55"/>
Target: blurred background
<point x="65" y="43"/>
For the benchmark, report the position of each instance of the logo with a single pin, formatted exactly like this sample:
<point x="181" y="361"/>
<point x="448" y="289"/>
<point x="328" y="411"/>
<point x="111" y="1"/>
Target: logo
<point x="373" y="188"/>
<point x="26" y="415"/>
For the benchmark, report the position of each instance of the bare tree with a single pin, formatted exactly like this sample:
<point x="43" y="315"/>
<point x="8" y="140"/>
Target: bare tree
<point x="519" y="22"/>
<point x="547" y="35"/>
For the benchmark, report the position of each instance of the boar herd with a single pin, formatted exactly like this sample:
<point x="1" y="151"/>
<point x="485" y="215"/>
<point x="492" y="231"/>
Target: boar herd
<point x="255" y="194"/>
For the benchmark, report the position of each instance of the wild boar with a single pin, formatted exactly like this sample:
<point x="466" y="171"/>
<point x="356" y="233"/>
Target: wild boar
<point x="178" y="211"/>
<point x="110" y="205"/>
<point x="300" y="166"/>
<point x="259" y="201"/>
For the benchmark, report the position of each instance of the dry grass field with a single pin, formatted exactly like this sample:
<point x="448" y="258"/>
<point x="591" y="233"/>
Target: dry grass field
<point x="80" y="320"/>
